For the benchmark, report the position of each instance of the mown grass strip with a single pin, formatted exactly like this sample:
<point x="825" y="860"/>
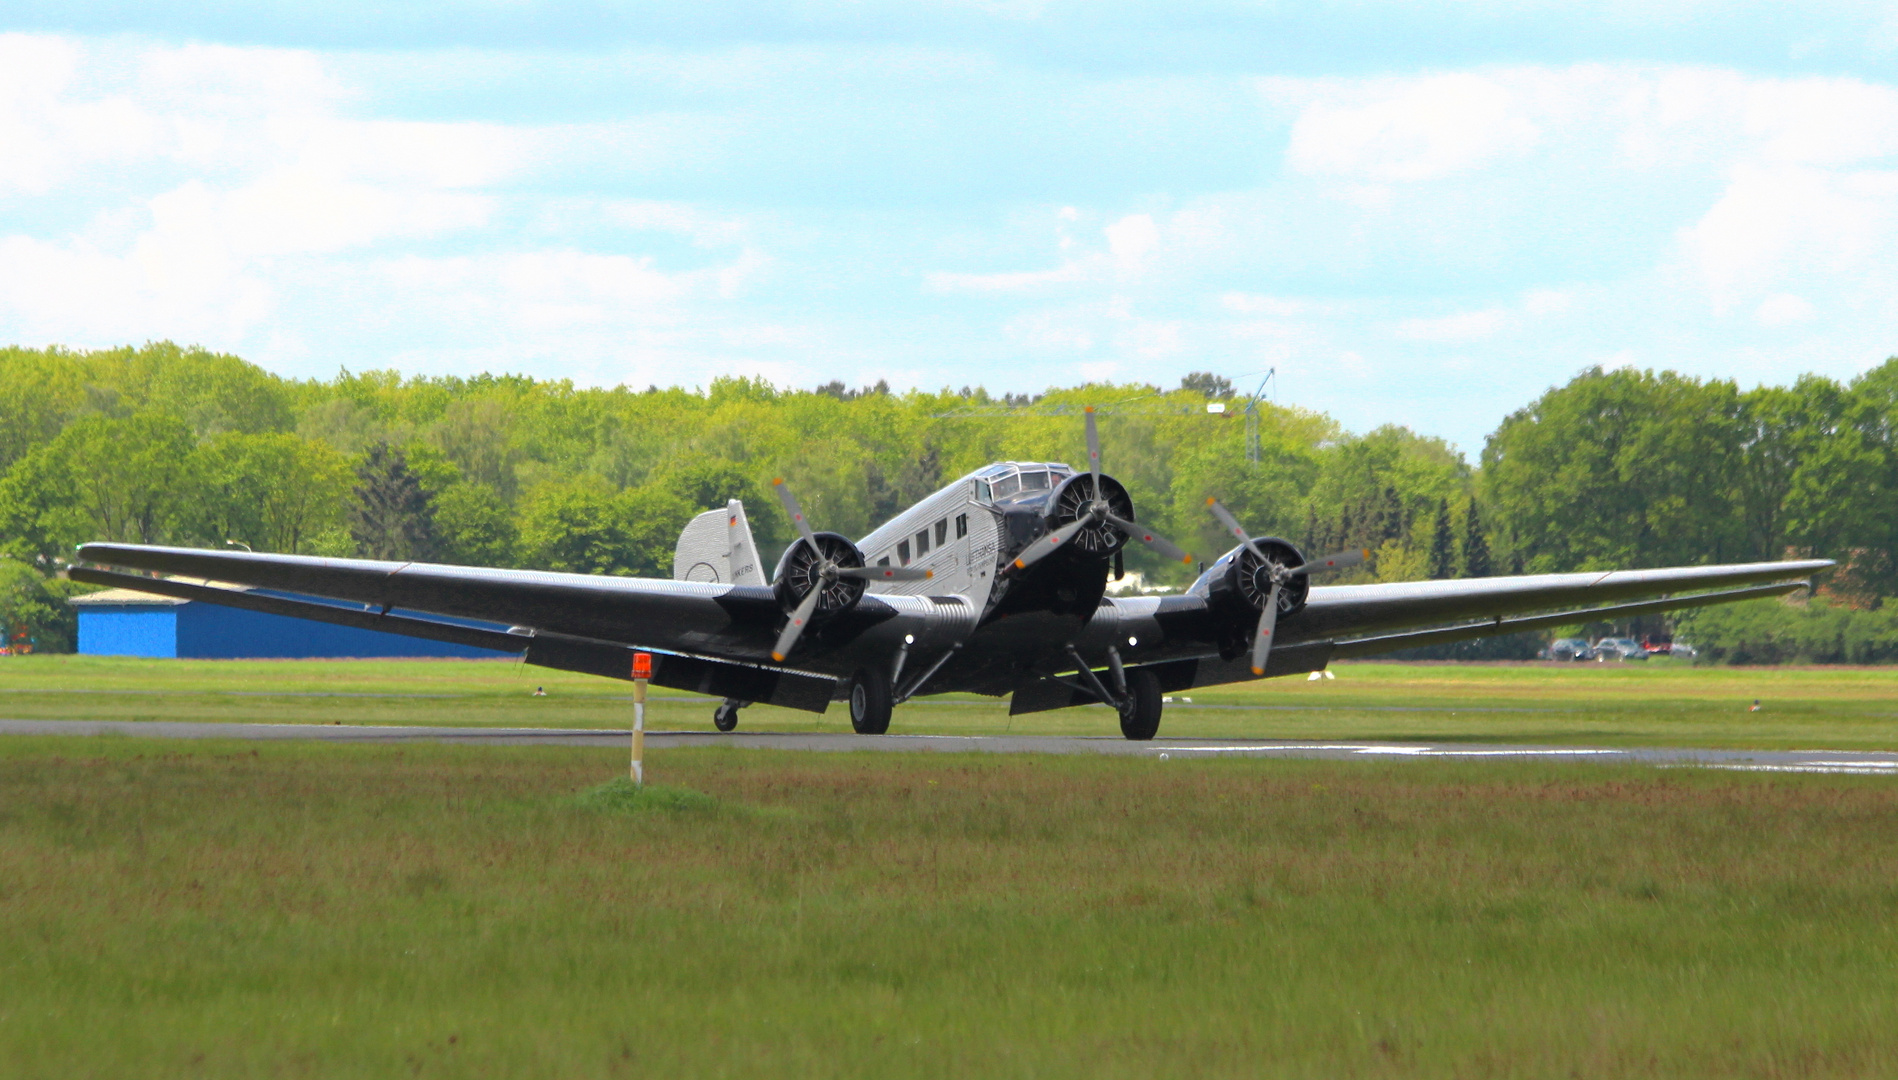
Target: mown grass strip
<point x="226" y="909"/>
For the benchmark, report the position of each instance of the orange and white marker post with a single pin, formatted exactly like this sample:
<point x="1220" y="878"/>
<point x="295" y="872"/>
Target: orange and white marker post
<point x="642" y="671"/>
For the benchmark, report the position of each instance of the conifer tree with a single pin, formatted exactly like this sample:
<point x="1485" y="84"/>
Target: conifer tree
<point x="1476" y="558"/>
<point x="1442" y="544"/>
<point x="393" y="516"/>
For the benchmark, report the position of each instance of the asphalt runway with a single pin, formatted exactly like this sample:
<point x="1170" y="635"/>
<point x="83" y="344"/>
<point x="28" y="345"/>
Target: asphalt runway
<point x="1811" y="761"/>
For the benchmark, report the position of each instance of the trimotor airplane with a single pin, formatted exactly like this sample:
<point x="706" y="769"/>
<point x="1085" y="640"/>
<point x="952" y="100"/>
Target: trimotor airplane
<point x="995" y="584"/>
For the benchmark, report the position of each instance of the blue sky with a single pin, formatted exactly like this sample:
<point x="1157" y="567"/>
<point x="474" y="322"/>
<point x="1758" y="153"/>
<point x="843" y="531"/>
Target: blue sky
<point x="1419" y="213"/>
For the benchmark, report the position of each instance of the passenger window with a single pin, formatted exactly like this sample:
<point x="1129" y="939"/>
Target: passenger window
<point x="942" y="531"/>
<point x="902" y="552"/>
<point x="922" y="543"/>
<point x="884" y="561"/>
<point x="962" y="526"/>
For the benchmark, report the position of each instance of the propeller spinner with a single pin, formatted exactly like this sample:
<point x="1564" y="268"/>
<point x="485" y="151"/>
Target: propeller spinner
<point x="1281" y="575"/>
<point x="1095" y="511"/>
<point x="823" y="568"/>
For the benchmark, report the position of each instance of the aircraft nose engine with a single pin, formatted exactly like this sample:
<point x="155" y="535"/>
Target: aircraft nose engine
<point x="1075" y="498"/>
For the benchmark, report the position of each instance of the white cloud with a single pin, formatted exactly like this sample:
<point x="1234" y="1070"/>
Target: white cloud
<point x="1465" y="326"/>
<point x="1826" y="122"/>
<point x="1770" y="225"/>
<point x="1132" y="239"/>
<point x="1783" y="309"/>
<point x="1257" y="304"/>
<point x="1547" y="301"/>
<point x="1407" y="130"/>
<point x="1013" y="281"/>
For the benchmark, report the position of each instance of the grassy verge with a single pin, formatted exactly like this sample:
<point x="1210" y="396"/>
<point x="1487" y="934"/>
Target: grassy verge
<point x="1656" y="703"/>
<point x="240" y="910"/>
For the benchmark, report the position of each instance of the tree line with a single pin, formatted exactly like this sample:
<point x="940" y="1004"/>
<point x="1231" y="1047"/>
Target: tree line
<point x="168" y="444"/>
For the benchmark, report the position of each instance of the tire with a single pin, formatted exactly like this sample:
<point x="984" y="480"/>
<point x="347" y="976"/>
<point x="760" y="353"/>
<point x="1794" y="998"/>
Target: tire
<point x="870" y="704"/>
<point x="1140" y="716"/>
<point x="725" y="717"/>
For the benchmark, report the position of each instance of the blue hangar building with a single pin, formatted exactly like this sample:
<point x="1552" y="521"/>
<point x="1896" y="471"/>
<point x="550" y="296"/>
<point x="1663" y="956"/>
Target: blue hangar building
<point x="125" y="622"/>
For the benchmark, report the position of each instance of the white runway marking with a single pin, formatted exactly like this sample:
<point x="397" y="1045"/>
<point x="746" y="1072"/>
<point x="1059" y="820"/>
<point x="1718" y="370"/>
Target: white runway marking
<point x="1431" y="751"/>
<point x="1860" y="768"/>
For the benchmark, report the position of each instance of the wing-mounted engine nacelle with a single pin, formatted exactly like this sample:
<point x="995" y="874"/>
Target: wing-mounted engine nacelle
<point x="801" y="570"/>
<point x="1074" y="497"/>
<point x="1241" y="581"/>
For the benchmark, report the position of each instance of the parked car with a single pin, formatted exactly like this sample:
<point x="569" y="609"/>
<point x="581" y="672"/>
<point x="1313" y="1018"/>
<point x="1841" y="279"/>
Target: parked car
<point x="1569" y="648"/>
<point x="1619" y="648"/>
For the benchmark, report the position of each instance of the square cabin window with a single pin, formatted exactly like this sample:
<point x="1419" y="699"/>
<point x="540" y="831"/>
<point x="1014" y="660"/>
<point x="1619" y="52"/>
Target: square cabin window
<point x="922" y="543"/>
<point x="884" y="561"/>
<point x="942" y="531"/>
<point x="962" y="526"/>
<point x="902" y="552"/>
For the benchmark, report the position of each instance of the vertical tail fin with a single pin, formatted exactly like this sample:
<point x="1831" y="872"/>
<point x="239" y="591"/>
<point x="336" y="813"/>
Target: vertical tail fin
<point x="717" y="546"/>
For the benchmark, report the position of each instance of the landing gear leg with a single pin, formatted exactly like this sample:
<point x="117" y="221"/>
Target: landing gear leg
<point x="870" y="703"/>
<point x="725" y="717"/>
<point x="1140" y="709"/>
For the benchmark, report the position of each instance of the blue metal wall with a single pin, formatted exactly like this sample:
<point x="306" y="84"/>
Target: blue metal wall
<point x="129" y="630"/>
<point x="207" y="631"/>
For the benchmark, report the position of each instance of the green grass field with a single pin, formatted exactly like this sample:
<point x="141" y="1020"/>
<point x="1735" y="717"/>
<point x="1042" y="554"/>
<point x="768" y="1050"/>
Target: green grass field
<point x="231" y="909"/>
<point x="1656" y="703"/>
<point x="228" y="909"/>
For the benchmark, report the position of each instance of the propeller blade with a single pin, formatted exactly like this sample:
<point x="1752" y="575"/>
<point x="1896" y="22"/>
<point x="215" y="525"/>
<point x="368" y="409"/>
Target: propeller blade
<point x="1268" y="622"/>
<point x="1343" y="560"/>
<point x="1045" y="546"/>
<point x="797" y="513"/>
<point x="1231" y="523"/>
<point x="1150" y="538"/>
<point x="887" y="573"/>
<point x="799" y="619"/>
<point x="1094" y="451"/>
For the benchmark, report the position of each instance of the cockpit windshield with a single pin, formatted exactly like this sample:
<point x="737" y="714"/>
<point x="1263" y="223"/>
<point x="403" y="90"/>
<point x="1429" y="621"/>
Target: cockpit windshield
<point x="1011" y="479"/>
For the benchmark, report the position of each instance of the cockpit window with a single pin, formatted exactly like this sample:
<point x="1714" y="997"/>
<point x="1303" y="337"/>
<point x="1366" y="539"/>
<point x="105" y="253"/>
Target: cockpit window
<point x="1006" y="486"/>
<point x="1034" y="480"/>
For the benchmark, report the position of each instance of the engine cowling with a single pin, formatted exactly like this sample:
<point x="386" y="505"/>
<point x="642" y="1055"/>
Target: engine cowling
<point x="798" y="573"/>
<point x="1241" y="581"/>
<point x="1072" y="498"/>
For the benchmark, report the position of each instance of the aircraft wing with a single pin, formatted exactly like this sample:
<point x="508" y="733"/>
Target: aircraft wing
<point x="1345" y="621"/>
<point x="1347" y="611"/>
<point x="573" y="621"/>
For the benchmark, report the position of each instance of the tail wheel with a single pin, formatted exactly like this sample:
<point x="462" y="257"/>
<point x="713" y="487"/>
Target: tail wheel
<point x="1140" y="712"/>
<point x="870" y="704"/>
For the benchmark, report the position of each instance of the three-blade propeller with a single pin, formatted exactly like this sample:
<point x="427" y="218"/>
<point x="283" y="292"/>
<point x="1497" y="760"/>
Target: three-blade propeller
<point x="1097" y="511"/>
<point x="826" y="572"/>
<point x="1269" y="617"/>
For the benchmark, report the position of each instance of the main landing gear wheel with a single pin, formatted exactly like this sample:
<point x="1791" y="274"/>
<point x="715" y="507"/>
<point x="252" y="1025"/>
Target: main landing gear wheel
<point x="725" y="717"/>
<point x="1140" y="713"/>
<point x="870" y="704"/>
